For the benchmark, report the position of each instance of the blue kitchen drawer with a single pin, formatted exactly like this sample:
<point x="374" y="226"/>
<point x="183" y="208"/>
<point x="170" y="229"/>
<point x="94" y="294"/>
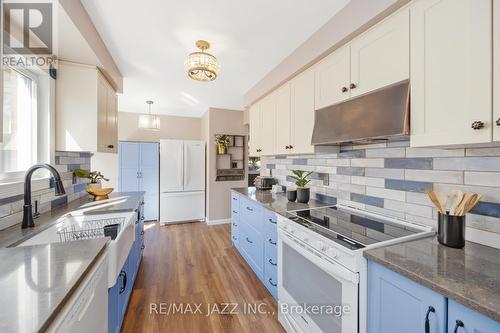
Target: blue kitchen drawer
<point x="235" y="231"/>
<point x="473" y="322"/>
<point x="270" y="223"/>
<point x="271" y="279"/>
<point x="252" y="248"/>
<point x="251" y="213"/>
<point x="235" y="202"/>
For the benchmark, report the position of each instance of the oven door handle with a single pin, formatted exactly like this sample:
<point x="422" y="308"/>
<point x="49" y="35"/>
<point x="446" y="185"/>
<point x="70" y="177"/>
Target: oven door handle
<point x="331" y="267"/>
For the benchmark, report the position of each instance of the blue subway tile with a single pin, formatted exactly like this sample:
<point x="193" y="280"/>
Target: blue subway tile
<point x="72" y="167"/>
<point x="317" y="175"/>
<point x="351" y="171"/>
<point x="407" y="185"/>
<point x="366" y="199"/>
<point x="290" y="179"/>
<point x="487" y="208"/>
<point x="79" y="187"/>
<point x="57" y="160"/>
<point x="14" y="198"/>
<point x="59" y="202"/>
<point x="271" y="166"/>
<point x="408" y="163"/>
<point x="326" y="198"/>
<point x="280" y="157"/>
<point x="359" y="153"/>
<point x="86" y="154"/>
<point x="299" y="161"/>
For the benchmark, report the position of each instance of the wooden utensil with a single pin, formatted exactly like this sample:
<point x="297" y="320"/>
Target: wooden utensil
<point x="442" y="198"/>
<point x="456" y="199"/>
<point x="472" y="202"/>
<point x="435" y="200"/>
<point x="468" y="196"/>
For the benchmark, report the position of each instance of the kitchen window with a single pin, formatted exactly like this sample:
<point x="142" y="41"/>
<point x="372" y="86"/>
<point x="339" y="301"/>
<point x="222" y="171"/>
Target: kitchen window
<point x="25" y="127"/>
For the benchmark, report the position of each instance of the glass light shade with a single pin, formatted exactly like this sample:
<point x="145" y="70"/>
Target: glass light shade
<point x="149" y="122"/>
<point x="202" y="66"/>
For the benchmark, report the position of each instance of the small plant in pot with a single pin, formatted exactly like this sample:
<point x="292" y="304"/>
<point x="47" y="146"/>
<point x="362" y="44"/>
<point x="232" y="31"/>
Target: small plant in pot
<point x="222" y="141"/>
<point x="303" y="192"/>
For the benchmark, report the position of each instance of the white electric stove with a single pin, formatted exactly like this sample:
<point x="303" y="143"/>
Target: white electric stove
<point x="322" y="274"/>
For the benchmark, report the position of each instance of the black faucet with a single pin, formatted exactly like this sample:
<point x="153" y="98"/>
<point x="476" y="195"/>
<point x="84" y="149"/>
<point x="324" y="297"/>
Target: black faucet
<point x="27" y="209"/>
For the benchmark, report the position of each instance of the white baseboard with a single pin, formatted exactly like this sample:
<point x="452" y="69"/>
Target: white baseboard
<point x="221" y="221"/>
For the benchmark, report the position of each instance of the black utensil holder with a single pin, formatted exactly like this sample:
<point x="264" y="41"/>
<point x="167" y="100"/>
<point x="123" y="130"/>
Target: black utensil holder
<point x="451" y="230"/>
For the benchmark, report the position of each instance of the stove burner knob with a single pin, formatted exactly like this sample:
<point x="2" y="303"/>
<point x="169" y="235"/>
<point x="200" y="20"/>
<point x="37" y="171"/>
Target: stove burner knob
<point x="321" y="246"/>
<point x="332" y="252"/>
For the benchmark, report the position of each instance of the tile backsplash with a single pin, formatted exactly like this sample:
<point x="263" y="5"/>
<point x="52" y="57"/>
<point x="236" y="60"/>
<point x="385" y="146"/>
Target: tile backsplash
<point x="11" y="195"/>
<point x="391" y="179"/>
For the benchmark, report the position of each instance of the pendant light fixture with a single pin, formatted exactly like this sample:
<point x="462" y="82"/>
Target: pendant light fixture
<point x="149" y="121"/>
<point x="202" y="66"/>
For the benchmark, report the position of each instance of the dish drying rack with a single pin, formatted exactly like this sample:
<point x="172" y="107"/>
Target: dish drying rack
<point x="87" y="229"/>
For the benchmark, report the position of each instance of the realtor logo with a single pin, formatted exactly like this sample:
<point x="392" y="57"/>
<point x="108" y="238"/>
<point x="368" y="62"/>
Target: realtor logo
<point x="28" y="28"/>
<point x="29" y="34"/>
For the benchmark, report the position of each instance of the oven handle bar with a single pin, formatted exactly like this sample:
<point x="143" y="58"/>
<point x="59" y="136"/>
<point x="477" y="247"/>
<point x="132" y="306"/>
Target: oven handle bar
<point x="329" y="266"/>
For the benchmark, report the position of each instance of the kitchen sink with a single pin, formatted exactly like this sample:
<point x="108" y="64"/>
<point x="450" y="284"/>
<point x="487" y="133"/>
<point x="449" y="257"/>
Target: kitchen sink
<point x="74" y="227"/>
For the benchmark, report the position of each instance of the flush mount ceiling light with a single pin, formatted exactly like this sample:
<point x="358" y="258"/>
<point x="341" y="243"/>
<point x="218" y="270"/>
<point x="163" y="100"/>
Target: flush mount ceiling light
<point x="149" y="121"/>
<point x="202" y="66"/>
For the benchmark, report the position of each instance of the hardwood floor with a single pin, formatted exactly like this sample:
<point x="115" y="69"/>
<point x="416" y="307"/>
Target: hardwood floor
<point x="194" y="267"/>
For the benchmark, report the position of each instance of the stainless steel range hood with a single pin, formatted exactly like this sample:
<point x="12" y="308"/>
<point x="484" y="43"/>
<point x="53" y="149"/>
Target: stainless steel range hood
<point x="377" y="116"/>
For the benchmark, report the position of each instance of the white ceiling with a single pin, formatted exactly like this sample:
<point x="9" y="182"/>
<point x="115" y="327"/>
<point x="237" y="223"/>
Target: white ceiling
<point x="150" y="40"/>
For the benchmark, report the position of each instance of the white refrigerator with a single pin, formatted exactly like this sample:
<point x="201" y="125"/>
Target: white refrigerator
<point x="182" y="181"/>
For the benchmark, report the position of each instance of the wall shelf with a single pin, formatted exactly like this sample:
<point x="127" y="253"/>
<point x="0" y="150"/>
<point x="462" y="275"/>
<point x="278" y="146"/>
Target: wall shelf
<point x="231" y="165"/>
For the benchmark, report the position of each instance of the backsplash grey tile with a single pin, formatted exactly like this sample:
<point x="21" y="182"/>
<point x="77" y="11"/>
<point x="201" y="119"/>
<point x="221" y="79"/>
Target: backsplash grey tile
<point x="391" y="179"/>
<point x="11" y="195"/>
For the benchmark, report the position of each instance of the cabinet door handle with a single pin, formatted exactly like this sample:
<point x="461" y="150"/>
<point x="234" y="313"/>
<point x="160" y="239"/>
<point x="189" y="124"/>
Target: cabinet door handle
<point x="287" y="147"/>
<point x="477" y="125"/>
<point x="291" y="147"/>
<point x="235" y="212"/>
<point x="142" y="232"/>
<point x="271" y="241"/>
<point x="344" y="89"/>
<point x="234" y="237"/>
<point x="248" y="240"/>
<point x="235" y="224"/>
<point x="124" y="281"/>
<point x="458" y="324"/>
<point x="352" y="86"/>
<point x="111" y="146"/>
<point x="143" y="247"/>
<point x="427" y="323"/>
<point x="272" y="263"/>
<point x="250" y="209"/>
<point x="498" y="122"/>
<point x="272" y="283"/>
<point x="272" y="221"/>
<point x="235" y="198"/>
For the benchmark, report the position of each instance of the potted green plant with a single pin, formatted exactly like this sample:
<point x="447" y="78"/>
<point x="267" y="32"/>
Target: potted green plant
<point x="94" y="176"/>
<point x="303" y="192"/>
<point x="222" y="141"/>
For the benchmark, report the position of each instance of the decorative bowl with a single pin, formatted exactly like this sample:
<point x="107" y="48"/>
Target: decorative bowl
<point x="99" y="193"/>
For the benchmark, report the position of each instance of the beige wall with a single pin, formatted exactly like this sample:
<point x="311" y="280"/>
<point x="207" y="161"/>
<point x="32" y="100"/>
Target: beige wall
<point x="171" y="127"/>
<point x="354" y="18"/>
<point x="220" y="121"/>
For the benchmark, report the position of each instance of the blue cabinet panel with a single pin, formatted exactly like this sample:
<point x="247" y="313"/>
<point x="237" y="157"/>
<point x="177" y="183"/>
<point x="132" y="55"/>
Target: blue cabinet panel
<point x="251" y="213"/>
<point x="465" y="320"/>
<point x="271" y="278"/>
<point x="139" y="171"/>
<point x="252" y="246"/>
<point x="270" y="223"/>
<point x="398" y="304"/>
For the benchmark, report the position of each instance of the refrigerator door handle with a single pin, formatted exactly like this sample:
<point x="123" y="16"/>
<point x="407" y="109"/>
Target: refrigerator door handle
<point x="181" y="171"/>
<point x="186" y="165"/>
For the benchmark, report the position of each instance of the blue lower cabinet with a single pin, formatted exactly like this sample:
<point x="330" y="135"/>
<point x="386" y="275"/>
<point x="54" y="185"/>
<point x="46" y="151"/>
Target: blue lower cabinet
<point x="252" y="248"/>
<point x="464" y="320"/>
<point x="271" y="269"/>
<point x="398" y="304"/>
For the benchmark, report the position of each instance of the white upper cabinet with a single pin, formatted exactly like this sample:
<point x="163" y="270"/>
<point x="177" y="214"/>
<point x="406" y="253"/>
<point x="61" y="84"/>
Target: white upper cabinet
<point x="268" y="125"/>
<point x="283" y="119"/>
<point x="255" y="133"/>
<point x="381" y="55"/>
<point x="302" y="112"/>
<point x="86" y="110"/>
<point x="332" y="78"/>
<point x="496" y="68"/>
<point x="451" y="72"/>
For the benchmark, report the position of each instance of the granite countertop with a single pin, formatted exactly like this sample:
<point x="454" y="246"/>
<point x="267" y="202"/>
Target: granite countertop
<point x="277" y="202"/>
<point x="37" y="281"/>
<point x="470" y="276"/>
<point x="117" y="203"/>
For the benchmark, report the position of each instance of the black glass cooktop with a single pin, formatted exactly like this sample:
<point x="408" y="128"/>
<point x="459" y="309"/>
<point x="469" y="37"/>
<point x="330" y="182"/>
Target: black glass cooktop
<point x="349" y="229"/>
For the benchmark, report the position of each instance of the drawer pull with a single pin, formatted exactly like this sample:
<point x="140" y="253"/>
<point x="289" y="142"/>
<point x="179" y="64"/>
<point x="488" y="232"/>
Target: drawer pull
<point x="427" y="323"/>
<point x="344" y="89"/>
<point x="271" y="241"/>
<point x="235" y="212"/>
<point x="248" y="240"/>
<point x="142" y="232"/>
<point x="458" y="324"/>
<point x="352" y="86"/>
<point x="234" y="224"/>
<point x="272" y="283"/>
<point x="250" y="209"/>
<point x="271" y="262"/>
<point x="234" y="238"/>
<point x="124" y="281"/>
<point x="143" y="247"/>
<point x="477" y="125"/>
<point x="498" y="122"/>
<point x="272" y="221"/>
<point x="234" y="198"/>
